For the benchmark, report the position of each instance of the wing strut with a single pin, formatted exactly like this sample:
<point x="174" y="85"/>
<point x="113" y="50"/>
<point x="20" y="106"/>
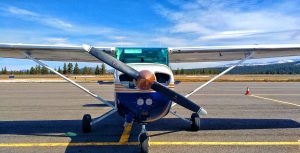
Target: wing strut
<point x="219" y="75"/>
<point x="71" y="81"/>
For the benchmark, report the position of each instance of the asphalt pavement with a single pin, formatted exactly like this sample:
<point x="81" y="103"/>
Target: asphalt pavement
<point x="46" y="117"/>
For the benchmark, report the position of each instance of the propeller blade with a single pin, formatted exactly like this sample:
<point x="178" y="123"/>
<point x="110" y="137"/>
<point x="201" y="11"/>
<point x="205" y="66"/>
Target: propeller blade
<point x="177" y="98"/>
<point x="111" y="61"/>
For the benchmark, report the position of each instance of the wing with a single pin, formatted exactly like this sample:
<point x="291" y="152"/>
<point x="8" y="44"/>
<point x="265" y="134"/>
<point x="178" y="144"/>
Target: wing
<point x="50" y="52"/>
<point x="228" y="53"/>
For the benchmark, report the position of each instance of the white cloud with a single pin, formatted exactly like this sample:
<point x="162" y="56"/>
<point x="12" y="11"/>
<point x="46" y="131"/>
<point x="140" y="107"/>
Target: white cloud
<point x="231" y="34"/>
<point x="36" y="17"/>
<point x="190" y="28"/>
<point x="57" y="41"/>
<point x="15" y="10"/>
<point x="170" y="41"/>
<point x="55" y="22"/>
<point x="118" y="43"/>
<point x="235" y="22"/>
<point x="118" y="37"/>
<point x="49" y="28"/>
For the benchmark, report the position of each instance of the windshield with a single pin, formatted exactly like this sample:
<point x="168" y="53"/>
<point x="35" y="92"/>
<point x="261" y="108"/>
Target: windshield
<point x="143" y="55"/>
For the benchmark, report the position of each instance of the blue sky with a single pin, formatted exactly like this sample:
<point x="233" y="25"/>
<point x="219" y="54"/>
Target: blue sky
<point x="147" y="23"/>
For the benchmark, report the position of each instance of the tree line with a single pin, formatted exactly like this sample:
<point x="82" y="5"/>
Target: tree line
<point x="195" y="71"/>
<point x="66" y="69"/>
<point x="284" y="68"/>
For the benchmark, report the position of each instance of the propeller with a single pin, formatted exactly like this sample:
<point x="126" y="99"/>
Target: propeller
<point x="145" y="79"/>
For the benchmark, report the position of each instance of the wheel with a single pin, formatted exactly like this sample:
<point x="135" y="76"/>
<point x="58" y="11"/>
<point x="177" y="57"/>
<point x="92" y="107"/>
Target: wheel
<point x="144" y="142"/>
<point x="195" y="118"/>
<point x="86" y="123"/>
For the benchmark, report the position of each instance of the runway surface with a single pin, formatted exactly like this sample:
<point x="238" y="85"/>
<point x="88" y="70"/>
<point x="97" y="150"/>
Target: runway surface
<point x="46" y="117"/>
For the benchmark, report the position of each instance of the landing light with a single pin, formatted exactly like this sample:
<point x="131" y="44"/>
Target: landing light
<point x="140" y="101"/>
<point x="149" y="101"/>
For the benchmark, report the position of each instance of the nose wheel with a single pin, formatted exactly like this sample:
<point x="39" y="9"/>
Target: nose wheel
<point x="144" y="140"/>
<point x="86" y="123"/>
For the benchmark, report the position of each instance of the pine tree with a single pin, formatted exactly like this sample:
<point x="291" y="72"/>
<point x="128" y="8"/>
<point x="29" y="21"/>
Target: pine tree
<point x="177" y="71"/>
<point x="4" y="70"/>
<point x="65" y="68"/>
<point x="32" y="70"/>
<point x="90" y="70"/>
<point x="44" y="70"/>
<point x="76" y="69"/>
<point x="39" y="69"/>
<point x="103" y="69"/>
<point x="59" y="70"/>
<point x="85" y="70"/>
<point x="181" y="71"/>
<point x="70" y="68"/>
<point x="97" y="70"/>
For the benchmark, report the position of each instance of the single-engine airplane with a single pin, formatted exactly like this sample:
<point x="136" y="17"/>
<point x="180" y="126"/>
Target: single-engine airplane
<point x="143" y="80"/>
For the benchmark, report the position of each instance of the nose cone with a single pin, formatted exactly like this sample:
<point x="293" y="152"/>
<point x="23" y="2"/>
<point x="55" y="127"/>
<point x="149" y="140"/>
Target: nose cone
<point x="145" y="80"/>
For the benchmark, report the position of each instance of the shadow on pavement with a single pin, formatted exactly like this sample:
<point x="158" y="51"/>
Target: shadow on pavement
<point x="110" y="129"/>
<point x="98" y="105"/>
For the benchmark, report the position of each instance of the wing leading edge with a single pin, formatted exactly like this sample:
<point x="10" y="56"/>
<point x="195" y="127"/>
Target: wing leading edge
<point x="177" y="54"/>
<point x="229" y="53"/>
<point x="50" y="52"/>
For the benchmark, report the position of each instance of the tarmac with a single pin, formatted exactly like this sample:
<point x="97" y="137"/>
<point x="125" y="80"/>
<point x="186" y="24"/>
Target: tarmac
<point x="46" y="117"/>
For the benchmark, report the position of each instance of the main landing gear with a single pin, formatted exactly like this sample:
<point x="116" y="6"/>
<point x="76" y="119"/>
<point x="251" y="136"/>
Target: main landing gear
<point x="86" y="123"/>
<point x="195" y="122"/>
<point x="144" y="140"/>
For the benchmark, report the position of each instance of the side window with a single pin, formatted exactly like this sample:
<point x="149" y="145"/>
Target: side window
<point x="162" y="78"/>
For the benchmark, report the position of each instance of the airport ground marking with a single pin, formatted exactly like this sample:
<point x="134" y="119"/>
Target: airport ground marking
<point x="126" y="133"/>
<point x="207" y="143"/>
<point x="227" y="143"/>
<point x="274" y="100"/>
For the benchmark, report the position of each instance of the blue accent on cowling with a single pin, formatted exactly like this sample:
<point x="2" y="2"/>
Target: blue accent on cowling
<point x="127" y="104"/>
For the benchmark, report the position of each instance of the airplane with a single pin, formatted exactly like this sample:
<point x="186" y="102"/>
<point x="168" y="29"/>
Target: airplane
<point x="143" y="80"/>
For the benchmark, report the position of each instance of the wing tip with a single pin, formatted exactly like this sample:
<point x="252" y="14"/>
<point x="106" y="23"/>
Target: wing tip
<point x="86" y="47"/>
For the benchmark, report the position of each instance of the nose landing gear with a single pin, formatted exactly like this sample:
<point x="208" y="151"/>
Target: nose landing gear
<point x="144" y="140"/>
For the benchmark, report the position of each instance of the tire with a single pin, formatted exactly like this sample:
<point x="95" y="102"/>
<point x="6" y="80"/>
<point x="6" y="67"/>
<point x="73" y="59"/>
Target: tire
<point x="195" y="118"/>
<point x="86" y="123"/>
<point x="144" y="142"/>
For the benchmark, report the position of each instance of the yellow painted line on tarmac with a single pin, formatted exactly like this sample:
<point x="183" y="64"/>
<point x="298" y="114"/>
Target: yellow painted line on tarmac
<point x="277" y="101"/>
<point x="234" y="143"/>
<point x="65" y="144"/>
<point x="82" y="144"/>
<point x="126" y="134"/>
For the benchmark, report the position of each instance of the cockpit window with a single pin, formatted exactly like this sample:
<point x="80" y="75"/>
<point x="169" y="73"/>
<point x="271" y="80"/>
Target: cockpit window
<point x="143" y="55"/>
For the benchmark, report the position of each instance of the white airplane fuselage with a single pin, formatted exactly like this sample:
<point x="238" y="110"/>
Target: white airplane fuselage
<point x="143" y="105"/>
